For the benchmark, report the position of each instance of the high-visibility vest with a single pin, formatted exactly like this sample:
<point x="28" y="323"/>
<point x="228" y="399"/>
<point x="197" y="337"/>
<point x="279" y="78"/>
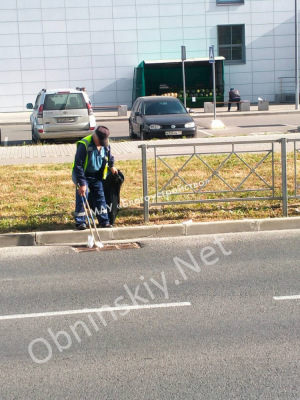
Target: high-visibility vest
<point x="87" y="141"/>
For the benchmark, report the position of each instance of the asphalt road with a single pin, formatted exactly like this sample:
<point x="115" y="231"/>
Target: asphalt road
<point x="235" y="126"/>
<point x="218" y="334"/>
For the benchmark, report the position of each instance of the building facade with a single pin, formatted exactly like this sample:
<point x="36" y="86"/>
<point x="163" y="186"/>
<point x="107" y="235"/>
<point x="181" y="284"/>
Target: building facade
<point x="97" y="44"/>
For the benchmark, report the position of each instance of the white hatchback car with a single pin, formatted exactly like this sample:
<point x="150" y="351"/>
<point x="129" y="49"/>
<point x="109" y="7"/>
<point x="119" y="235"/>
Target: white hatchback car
<point x="61" y="114"/>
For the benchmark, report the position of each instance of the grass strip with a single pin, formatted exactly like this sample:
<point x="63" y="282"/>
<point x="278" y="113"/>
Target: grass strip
<point x="42" y="197"/>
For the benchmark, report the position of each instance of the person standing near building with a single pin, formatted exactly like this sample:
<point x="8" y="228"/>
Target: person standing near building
<point x="92" y="160"/>
<point x="234" y="96"/>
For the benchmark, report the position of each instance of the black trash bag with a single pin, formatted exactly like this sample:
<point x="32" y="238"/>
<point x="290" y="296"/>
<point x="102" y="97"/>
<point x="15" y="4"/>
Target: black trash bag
<point x="112" y="189"/>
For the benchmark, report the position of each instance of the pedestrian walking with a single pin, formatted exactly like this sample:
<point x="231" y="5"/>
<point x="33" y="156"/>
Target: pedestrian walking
<point x="234" y="96"/>
<point x="92" y="160"/>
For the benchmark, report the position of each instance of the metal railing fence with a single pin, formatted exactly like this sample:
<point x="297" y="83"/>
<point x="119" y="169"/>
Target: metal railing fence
<point x="201" y="152"/>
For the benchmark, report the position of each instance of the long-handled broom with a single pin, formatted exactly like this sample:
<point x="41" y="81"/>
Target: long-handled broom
<point x="99" y="242"/>
<point x="91" y="238"/>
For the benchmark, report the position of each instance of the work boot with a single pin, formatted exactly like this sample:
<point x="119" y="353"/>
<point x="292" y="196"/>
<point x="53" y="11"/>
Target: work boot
<point x="108" y="225"/>
<point x="81" y="227"/>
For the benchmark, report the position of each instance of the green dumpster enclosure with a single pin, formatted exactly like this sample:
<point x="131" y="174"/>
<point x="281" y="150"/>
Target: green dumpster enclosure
<point x="164" y="77"/>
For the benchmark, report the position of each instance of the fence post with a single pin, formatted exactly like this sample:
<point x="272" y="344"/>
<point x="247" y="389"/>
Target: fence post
<point x="284" y="178"/>
<point x="145" y="183"/>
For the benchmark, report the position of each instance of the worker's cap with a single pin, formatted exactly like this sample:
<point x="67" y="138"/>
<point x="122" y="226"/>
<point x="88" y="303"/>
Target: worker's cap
<point x="232" y="88"/>
<point x="102" y="134"/>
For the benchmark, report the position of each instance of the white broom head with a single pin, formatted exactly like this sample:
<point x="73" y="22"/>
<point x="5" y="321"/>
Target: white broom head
<point x="90" y="242"/>
<point x="99" y="244"/>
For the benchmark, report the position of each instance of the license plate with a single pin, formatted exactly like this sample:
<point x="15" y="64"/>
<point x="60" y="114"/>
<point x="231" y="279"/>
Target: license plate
<point x="65" y="120"/>
<point x="174" y="133"/>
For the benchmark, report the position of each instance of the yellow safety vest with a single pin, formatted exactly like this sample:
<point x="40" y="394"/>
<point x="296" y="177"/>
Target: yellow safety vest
<point x="87" y="141"/>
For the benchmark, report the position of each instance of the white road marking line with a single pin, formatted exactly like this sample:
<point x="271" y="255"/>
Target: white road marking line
<point x="206" y="133"/>
<point x="92" y="311"/>
<point x="296" y="297"/>
<point x="253" y="133"/>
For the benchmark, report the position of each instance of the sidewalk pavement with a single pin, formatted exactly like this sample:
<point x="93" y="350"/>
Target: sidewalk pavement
<point x="23" y="118"/>
<point x="61" y="153"/>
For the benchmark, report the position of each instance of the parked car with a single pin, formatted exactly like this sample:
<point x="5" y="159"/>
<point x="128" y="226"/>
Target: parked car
<point x="61" y="114"/>
<point x="160" y="116"/>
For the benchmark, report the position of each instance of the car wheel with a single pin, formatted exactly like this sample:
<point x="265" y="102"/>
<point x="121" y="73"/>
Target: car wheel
<point x="132" y="135"/>
<point x="143" y="135"/>
<point x="34" y="139"/>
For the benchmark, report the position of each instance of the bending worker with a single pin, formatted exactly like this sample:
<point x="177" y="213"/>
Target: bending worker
<point x="92" y="159"/>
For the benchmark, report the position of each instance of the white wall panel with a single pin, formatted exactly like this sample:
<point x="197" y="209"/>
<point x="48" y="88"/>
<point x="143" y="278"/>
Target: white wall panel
<point x="9" y="40"/>
<point x="32" y="51"/>
<point x="78" y="50"/>
<point x="104" y="73"/>
<point x="57" y="75"/>
<point x="32" y="88"/>
<point x="147" y="11"/>
<point x="8" y="5"/>
<point x="101" y="13"/>
<point x="79" y="14"/>
<point x="10" y="88"/>
<point x="33" y="76"/>
<point x="8" y="15"/>
<point x="55" y="38"/>
<point x="30" y="39"/>
<point x="55" y="14"/>
<point x="84" y="73"/>
<point x="13" y="64"/>
<point x="28" y="4"/>
<point x="97" y="43"/>
<point x="11" y="102"/>
<point x="56" y="63"/>
<point x="7" y="28"/>
<point x="32" y="64"/>
<point x="9" y="52"/>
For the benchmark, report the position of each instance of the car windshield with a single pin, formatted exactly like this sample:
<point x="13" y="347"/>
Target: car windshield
<point x="64" y="101"/>
<point x="164" y="107"/>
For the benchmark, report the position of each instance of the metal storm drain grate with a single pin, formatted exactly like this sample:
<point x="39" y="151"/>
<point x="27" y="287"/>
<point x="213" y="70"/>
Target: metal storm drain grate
<point x="107" y="247"/>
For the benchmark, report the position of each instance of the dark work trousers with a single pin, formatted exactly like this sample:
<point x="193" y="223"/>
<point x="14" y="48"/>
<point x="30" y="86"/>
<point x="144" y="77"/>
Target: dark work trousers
<point x="96" y="193"/>
<point x="234" y="100"/>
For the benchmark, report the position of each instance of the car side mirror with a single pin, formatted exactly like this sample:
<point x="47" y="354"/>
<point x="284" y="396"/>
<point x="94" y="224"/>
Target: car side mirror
<point x="29" y="106"/>
<point x="137" y="113"/>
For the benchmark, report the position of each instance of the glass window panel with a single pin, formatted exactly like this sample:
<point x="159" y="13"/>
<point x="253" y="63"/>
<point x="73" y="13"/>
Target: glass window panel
<point x="237" y="34"/>
<point x="237" y="53"/>
<point x="224" y="34"/>
<point x="225" y="52"/>
<point x="229" y="1"/>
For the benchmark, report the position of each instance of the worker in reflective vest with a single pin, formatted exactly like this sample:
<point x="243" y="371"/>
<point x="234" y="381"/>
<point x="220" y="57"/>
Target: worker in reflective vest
<point x="92" y="160"/>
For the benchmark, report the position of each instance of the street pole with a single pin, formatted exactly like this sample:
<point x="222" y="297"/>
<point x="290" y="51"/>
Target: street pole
<point x="184" y="89"/>
<point x="214" y="82"/>
<point x="296" y="58"/>
<point x="213" y="62"/>
<point x="183" y="58"/>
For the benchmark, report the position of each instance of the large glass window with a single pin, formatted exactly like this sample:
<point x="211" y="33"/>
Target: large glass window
<point x="64" y="101"/>
<point x="231" y="42"/>
<point x="230" y="1"/>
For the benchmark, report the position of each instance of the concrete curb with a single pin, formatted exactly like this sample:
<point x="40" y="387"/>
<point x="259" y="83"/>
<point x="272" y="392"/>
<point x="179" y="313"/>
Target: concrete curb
<point x="18" y="239"/>
<point x="151" y="231"/>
